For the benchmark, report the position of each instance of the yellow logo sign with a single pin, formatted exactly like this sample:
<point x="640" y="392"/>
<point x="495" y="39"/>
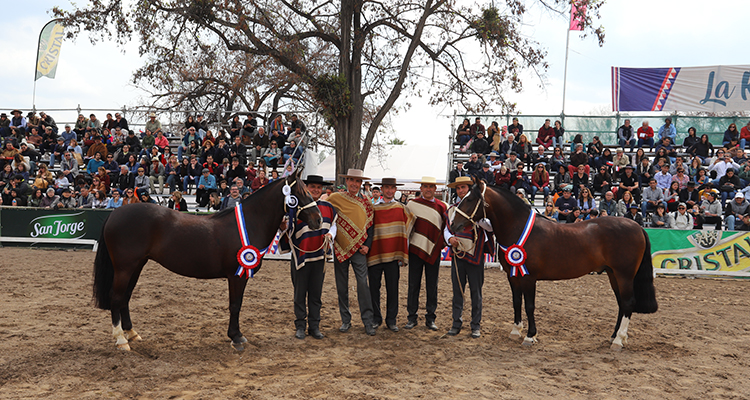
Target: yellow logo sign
<point x="50" y="42"/>
<point x="710" y="253"/>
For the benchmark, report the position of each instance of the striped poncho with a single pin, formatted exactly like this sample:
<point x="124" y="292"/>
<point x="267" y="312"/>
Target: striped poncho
<point x="355" y="216"/>
<point x="473" y="248"/>
<point x="390" y="239"/>
<point x="426" y="237"/>
<point x="309" y="243"/>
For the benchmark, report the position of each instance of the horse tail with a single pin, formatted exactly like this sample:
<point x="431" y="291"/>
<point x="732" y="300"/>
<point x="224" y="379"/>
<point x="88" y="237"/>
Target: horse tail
<point x="104" y="274"/>
<point x="643" y="283"/>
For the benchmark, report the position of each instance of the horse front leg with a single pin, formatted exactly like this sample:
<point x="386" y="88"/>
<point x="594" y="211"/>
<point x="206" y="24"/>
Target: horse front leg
<point x="236" y="292"/>
<point x="515" y="333"/>
<point x="529" y="295"/>
<point x="127" y="325"/>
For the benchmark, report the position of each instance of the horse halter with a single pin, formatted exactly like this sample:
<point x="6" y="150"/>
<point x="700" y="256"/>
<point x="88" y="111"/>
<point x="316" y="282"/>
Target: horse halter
<point x="476" y="208"/>
<point x="291" y="201"/>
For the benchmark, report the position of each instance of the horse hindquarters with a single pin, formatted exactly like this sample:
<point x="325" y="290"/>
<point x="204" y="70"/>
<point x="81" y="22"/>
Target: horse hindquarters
<point x="643" y="283"/>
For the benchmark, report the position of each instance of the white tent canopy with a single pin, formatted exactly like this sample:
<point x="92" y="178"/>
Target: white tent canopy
<point x="406" y="163"/>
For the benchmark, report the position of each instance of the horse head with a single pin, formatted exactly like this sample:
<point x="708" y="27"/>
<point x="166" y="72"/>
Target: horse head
<point x="307" y="208"/>
<point x="471" y="208"/>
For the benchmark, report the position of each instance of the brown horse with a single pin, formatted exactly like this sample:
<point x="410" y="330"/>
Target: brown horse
<point x="556" y="251"/>
<point x="195" y="246"/>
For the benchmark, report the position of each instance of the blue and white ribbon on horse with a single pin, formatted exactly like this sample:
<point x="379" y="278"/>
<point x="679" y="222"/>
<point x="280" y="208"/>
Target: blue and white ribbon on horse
<point x="515" y="255"/>
<point x="249" y="256"/>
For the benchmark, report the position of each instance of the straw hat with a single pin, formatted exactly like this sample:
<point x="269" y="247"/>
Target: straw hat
<point x="354" y="174"/>
<point x="461" y="180"/>
<point x="429" y="180"/>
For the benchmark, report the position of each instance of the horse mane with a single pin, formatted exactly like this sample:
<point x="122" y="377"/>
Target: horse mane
<point x="249" y="199"/>
<point x="510" y="197"/>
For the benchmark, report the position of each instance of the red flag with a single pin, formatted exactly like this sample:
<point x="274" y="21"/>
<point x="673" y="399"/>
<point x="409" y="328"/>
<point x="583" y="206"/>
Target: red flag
<point x="576" y="21"/>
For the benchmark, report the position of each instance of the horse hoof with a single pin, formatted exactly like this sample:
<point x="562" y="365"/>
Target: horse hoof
<point x="243" y="339"/>
<point x="514" y="335"/>
<point x="133" y="336"/>
<point x="123" y="347"/>
<point x="527" y="341"/>
<point x="238" y="346"/>
<point x="615" y="347"/>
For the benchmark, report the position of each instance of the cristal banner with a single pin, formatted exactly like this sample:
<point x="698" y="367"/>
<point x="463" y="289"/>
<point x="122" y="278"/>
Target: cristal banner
<point x="701" y="250"/>
<point x="711" y="89"/>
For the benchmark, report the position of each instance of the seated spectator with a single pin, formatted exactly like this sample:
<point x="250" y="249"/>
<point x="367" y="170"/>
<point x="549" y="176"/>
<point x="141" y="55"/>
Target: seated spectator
<point x="519" y="180"/>
<point x="123" y="180"/>
<point x="115" y="201"/>
<point x="259" y="180"/>
<point x="85" y="198"/>
<point x="646" y="135"/>
<point x="272" y="155"/>
<point x="605" y="159"/>
<point x="214" y="203"/>
<point x="550" y="212"/>
<point x="539" y="181"/>
<point x="682" y="219"/>
<point x="507" y="147"/>
<point x="557" y="159"/>
<point x="608" y="205"/>
<point x="690" y="139"/>
<point x="474" y="166"/>
<point x="634" y="215"/>
<point x="293" y="151"/>
<point x="233" y="199"/>
<point x="578" y="158"/>
<point x="745" y="134"/>
<point x="602" y="181"/>
<point x="100" y="199"/>
<point x="652" y="197"/>
<point x="206" y="186"/>
<point x="732" y="137"/>
<point x="141" y="180"/>
<point x="660" y="218"/>
<point x="61" y="182"/>
<point x="49" y="199"/>
<point x="586" y="202"/>
<point x="503" y="178"/>
<point x="594" y="150"/>
<point x="626" y="136"/>
<point x="574" y="216"/>
<point x="144" y="197"/>
<point x="156" y="175"/>
<point x="177" y="202"/>
<point x="562" y="179"/>
<point x="672" y="196"/>
<point x="523" y="150"/>
<point x="729" y="184"/>
<point x="43" y="177"/>
<point x="722" y="163"/>
<point x="97" y="147"/>
<point x="565" y="204"/>
<point x="521" y="194"/>
<point x="479" y="145"/>
<point x="703" y="148"/>
<point x="57" y="152"/>
<point x="735" y="210"/>
<point x="129" y="197"/>
<point x="92" y="167"/>
<point x="580" y="179"/>
<point x="546" y="134"/>
<point x="711" y="211"/>
<point x="539" y="157"/>
<point x="512" y="162"/>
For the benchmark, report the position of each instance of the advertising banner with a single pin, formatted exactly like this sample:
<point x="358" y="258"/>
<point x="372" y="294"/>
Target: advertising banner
<point x="712" y="89"/>
<point x="48" y="52"/>
<point x="33" y="225"/>
<point x="708" y="251"/>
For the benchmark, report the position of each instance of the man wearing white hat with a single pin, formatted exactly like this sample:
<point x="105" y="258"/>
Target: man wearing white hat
<point x="351" y="245"/>
<point x="425" y="245"/>
<point x="468" y="248"/>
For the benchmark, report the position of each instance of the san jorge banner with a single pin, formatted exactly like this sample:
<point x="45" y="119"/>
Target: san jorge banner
<point x="711" y="89"/>
<point x="701" y="250"/>
<point x="50" y="42"/>
<point x="64" y="226"/>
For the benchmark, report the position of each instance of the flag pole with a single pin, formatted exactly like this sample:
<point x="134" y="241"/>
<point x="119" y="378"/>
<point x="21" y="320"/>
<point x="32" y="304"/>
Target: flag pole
<point x="565" y="75"/>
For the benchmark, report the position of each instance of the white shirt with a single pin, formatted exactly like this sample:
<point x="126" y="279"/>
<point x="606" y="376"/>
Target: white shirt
<point x="483" y="223"/>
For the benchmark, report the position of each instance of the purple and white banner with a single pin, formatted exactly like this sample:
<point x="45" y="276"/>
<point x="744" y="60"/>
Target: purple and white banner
<point x="712" y="89"/>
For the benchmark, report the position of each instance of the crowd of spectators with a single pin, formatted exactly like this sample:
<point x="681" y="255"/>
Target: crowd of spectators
<point x="657" y="183"/>
<point x="105" y="164"/>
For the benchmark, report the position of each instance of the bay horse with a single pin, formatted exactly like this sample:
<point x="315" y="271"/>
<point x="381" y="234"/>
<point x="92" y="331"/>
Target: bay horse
<point x="203" y="247"/>
<point x="556" y="251"/>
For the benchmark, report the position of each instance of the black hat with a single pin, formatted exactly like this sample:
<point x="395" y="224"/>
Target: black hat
<point x="691" y="183"/>
<point x="315" y="179"/>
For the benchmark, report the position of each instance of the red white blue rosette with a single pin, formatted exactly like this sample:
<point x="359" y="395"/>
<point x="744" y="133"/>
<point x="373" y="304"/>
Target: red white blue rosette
<point x="249" y="258"/>
<point x="515" y="255"/>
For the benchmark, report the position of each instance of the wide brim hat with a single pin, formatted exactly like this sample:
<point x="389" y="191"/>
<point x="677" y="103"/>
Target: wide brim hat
<point x="16" y="111"/>
<point x="461" y="180"/>
<point x="151" y="114"/>
<point x="389" y="181"/>
<point x="355" y="174"/>
<point x="429" y="180"/>
<point x="315" y="179"/>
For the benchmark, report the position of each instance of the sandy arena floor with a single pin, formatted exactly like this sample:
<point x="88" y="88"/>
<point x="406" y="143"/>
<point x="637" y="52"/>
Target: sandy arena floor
<point x="55" y="344"/>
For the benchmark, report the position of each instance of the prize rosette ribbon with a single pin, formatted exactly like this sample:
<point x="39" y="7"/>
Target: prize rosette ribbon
<point x="516" y="257"/>
<point x="249" y="258"/>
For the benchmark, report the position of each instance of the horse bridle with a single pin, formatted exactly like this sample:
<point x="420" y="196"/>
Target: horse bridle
<point x="476" y="208"/>
<point x="300" y="208"/>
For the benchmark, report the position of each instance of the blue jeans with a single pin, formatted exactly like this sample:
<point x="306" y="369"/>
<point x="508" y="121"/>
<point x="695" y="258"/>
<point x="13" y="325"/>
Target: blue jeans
<point x="632" y="143"/>
<point x="649" y="141"/>
<point x="730" y="222"/>
<point x="535" y="189"/>
<point x="725" y="196"/>
<point x="186" y="182"/>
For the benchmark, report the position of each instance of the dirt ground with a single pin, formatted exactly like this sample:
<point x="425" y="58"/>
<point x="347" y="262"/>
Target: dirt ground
<point x="55" y="344"/>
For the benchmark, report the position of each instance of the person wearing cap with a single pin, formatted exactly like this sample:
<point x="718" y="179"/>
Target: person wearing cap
<point x="351" y="245"/>
<point x="468" y="248"/>
<point x="426" y="242"/>
<point x="682" y="218"/>
<point x="152" y="124"/>
<point x="308" y="260"/>
<point x="620" y="160"/>
<point x="652" y="197"/>
<point x="49" y="198"/>
<point x="711" y="211"/>
<point x="390" y="246"/>
<point x="206" y="186"/>
<point x="565" y="204"/>
<point x="486" y="175"/>
<point x="18" y="120"/>
<point x="735" y="210"/>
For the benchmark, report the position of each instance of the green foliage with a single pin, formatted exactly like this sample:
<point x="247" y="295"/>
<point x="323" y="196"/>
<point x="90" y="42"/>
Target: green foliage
<point x="491" y="28"/>
<point x="396" y="142"/>
<point x="333" y="94"/>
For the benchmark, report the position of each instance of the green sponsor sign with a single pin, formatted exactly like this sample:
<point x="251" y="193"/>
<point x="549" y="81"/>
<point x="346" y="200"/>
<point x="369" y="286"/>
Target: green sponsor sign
<point x="60" y="226"/>
<point x="701" y="250"/>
